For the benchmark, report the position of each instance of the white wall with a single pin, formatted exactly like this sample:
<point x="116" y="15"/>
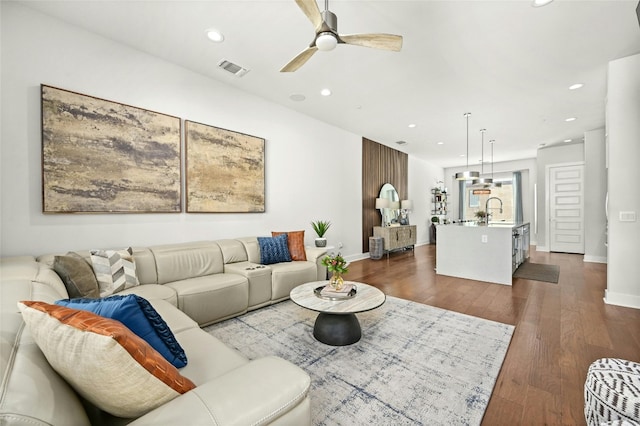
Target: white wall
<point x="304" y="181"/>
<point x="501" y="170"/>
<point x="623" y="130"/>
<point x="557" y="154"/>
<point x="595" y="182"/>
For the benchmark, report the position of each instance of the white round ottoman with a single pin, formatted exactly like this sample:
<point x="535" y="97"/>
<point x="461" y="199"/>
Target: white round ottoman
<point x="612" y="392"/>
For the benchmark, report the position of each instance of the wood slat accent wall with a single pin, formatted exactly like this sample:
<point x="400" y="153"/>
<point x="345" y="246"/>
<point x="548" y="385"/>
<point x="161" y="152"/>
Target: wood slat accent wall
<point x="380" y="165"/>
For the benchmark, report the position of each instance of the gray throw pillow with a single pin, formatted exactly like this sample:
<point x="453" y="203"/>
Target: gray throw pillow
<point x="77" y="276"/>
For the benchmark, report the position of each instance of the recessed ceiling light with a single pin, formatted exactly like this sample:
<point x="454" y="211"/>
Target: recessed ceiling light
<point x="412" y="125"/>
<point x="575" y="86"/>
<point x="570" y="119"/>
<point x="461" y="155"/>
<point x="297" y="97"/>
<point x="215" y="35"/>
<point x="567" y="140"/>
<point x="540" y="3"/>
<point x="325" y="92"/>
<point x="440" y="143"/>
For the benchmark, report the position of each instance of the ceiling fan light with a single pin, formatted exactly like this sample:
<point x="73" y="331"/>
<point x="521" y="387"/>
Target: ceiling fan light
<point x="326" y="41"/>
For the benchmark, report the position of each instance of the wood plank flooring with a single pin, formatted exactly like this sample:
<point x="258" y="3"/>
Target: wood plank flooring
<point x="560" y="328"/>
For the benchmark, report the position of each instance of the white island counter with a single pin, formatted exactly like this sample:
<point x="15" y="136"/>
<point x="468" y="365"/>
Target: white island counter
<point x="481" y="252"/>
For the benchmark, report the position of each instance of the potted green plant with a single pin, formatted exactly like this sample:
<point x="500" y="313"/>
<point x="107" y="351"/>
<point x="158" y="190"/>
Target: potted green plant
<point x="321" y="227"/>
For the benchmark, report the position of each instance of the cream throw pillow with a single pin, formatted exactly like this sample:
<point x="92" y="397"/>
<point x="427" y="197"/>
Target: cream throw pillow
<point x="103" y="360"/>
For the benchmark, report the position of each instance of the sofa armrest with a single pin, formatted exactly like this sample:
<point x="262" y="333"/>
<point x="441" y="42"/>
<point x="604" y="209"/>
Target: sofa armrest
<point x="256" y="393"/>
<point x="316" y="254"/>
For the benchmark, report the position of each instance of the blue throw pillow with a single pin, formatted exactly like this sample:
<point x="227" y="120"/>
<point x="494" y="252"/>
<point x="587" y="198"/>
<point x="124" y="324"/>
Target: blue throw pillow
<point x="274" y="249"/>
<point x="137" y="314"/>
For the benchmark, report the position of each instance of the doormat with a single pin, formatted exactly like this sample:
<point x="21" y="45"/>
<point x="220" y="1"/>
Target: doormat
<point x="538" y="272"/>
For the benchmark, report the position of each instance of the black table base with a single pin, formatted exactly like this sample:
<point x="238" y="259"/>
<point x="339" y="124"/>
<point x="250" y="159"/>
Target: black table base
<point x="337" y="329"/>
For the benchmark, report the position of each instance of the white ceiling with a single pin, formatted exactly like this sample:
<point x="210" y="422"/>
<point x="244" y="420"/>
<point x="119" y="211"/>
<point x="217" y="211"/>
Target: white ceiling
<point x="507" y="63"/>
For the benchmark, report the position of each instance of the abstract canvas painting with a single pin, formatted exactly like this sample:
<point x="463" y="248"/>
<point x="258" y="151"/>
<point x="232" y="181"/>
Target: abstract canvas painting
<point x="225" y="170"/>
<point x="100" y="156"/>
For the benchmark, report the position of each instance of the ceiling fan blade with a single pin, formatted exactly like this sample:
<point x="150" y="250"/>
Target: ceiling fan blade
<point x="299" y="60"/>
<point x="376" y="41"/>
<point x="310" y="8"/>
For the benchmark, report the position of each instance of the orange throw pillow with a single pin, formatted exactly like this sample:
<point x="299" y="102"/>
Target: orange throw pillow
<point x="295" y="242"/>
<point x="103" y="360"/>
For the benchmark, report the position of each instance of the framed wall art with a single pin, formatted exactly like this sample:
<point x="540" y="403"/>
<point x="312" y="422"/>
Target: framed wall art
<point x="100" y="156"/>
<point x="225" y="170"/>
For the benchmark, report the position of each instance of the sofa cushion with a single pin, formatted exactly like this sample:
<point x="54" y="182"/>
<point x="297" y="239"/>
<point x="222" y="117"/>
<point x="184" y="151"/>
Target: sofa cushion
<point x="77" y="275"/>
<point x="213" y="297"/>
<point x="274" y="249"/>
<point x="137" y="314"/>
<point x="181" y="261"/>
<point x="295" y="242"/>
<point x="115" y="270"/>
<point x="153" y="292"/>
<point x="103" y="360"/>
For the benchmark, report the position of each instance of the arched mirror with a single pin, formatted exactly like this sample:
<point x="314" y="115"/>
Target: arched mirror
<point x="389" y="204"/>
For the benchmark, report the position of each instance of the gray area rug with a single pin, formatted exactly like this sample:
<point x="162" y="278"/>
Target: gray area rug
<point x="415" y="364"/>
<point x="538" y="272"/>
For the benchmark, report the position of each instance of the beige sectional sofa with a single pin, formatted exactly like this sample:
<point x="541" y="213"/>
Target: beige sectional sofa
<point x="190" y="285"/>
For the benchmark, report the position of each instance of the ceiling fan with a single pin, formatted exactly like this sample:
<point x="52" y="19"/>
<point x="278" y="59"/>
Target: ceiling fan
<point x="327" y="37"/>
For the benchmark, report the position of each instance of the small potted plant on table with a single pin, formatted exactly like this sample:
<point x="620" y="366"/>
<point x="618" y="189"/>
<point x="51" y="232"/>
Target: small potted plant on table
<point x="338" y="266"/>
<point x="321" y="227"/>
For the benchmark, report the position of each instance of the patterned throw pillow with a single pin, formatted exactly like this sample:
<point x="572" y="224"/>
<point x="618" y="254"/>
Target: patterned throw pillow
<point x="115" y="270"/>
<point x="295" y="242"/>
<point x="103" y="360"/>
<point x="77" y="275"/>
<point x="274" y="249"/>
<point x="137" y="314"/>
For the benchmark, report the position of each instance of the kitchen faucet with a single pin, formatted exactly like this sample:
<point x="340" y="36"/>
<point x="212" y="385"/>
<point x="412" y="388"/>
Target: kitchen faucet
<point x="486" y="206"/>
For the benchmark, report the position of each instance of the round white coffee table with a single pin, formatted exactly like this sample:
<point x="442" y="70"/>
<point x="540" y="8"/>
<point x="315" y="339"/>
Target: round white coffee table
<point x="336" y="323"/>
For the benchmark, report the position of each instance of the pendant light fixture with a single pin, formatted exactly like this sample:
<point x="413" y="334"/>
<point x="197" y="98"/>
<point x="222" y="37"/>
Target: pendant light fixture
<point x="467" y="174"/>
<point x="484" y="182"/>
<point x="494" y="184"/>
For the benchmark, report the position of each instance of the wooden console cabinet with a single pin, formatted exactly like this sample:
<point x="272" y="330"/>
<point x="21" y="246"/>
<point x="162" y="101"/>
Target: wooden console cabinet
<point x="396" y="237"/>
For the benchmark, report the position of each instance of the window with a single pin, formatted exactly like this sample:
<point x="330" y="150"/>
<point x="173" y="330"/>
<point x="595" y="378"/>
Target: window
<point x="476" y="202"/>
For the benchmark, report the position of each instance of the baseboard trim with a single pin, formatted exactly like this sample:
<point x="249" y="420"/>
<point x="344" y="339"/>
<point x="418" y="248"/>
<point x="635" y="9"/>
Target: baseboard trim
<point x="542" y="248"/>
<point x="621" y="299"/>
<point x="595" y="259"/>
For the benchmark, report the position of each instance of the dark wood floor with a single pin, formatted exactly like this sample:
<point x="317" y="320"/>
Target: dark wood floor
<point x="560" y="328"/>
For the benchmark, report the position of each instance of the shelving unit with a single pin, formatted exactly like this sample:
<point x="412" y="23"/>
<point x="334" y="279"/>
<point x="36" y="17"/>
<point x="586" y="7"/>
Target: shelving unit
<point x="439" y="201"/>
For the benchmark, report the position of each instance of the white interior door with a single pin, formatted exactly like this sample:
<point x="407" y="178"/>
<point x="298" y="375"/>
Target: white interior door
<point x="566" y="209"/>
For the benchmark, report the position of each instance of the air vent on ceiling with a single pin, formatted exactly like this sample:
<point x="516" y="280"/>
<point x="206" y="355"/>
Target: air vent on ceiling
<point x="401" y="142"/>
<point x="234" y="69"/>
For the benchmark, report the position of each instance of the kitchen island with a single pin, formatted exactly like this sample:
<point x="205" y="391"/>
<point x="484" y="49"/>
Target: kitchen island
<point x="488" y="253"/>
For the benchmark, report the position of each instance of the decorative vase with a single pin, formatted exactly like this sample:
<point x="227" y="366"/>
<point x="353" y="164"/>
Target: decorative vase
<point x="336" y="281"/>
<point x="321" y="242"/>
